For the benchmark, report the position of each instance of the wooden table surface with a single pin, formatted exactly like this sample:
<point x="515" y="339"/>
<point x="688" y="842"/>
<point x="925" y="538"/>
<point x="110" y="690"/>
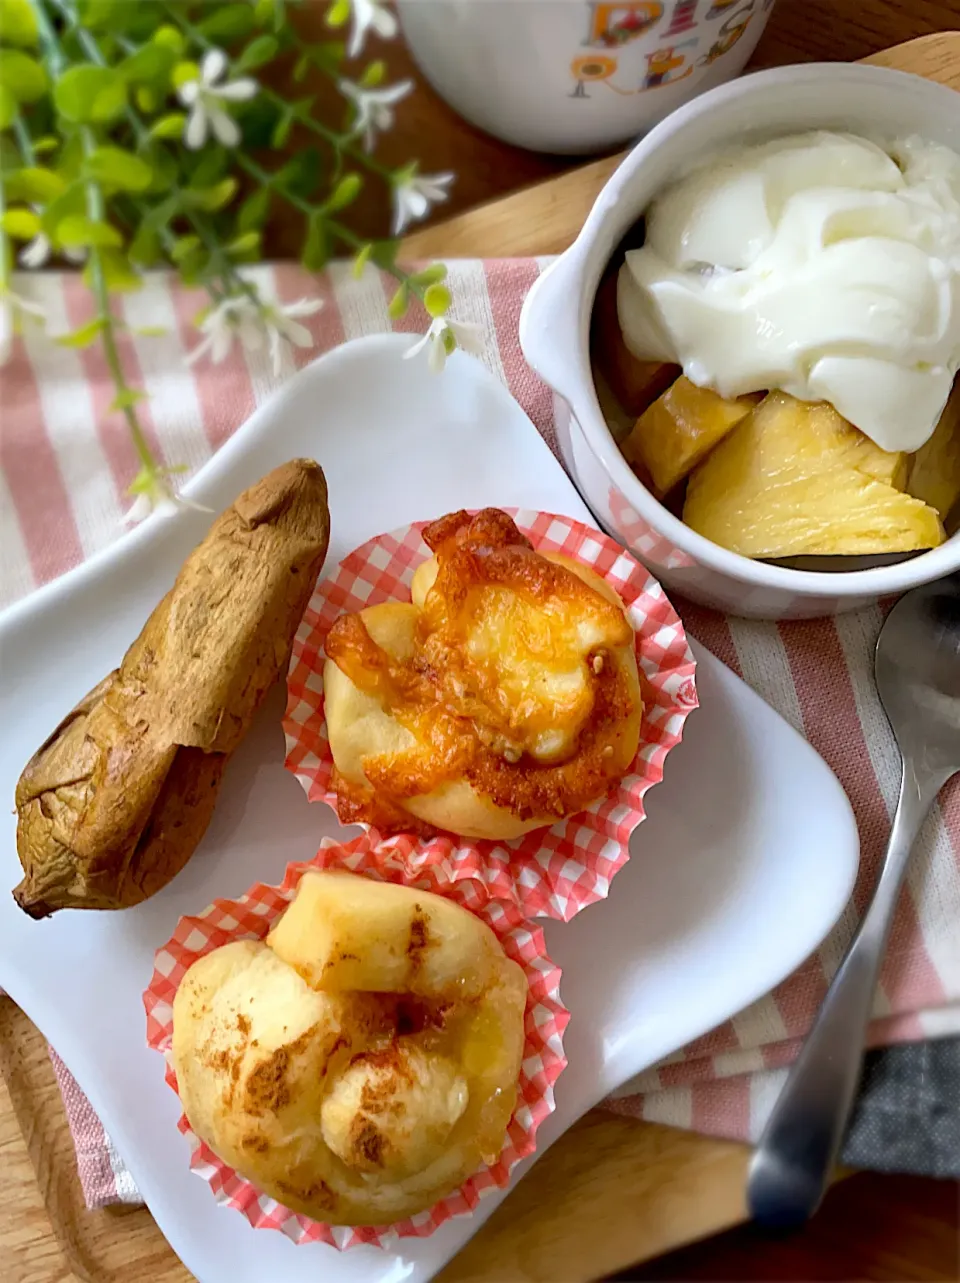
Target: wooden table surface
<point x="881" y="1228"/>
<point x="427" y="129"/>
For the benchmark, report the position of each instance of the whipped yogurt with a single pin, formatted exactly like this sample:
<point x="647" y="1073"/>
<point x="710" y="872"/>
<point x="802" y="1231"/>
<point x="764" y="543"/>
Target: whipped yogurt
<point x="821" y="264"/>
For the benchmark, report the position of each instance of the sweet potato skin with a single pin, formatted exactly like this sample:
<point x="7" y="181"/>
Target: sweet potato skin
<point x="113" y="805"/>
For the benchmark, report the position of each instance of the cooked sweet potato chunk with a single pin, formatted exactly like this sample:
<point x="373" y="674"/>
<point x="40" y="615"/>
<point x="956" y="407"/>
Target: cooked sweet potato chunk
<point x="113" y="805"/>
<point x="795" y="478"/>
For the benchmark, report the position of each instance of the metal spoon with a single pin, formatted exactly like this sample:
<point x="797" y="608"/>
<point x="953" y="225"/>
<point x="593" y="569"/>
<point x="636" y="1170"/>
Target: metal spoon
<point x="918" y="677"/>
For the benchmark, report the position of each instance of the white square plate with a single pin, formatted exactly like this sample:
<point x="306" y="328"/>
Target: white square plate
<point x="745" y="862"/>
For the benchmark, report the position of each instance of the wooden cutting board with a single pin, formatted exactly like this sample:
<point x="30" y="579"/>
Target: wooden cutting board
<point x="612" y="1191"/>
<point x="546" y="218"/>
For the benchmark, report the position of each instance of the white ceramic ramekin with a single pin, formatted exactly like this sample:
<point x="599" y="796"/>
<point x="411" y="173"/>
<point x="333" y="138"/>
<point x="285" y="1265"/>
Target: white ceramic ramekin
<point x="555" y="327"/>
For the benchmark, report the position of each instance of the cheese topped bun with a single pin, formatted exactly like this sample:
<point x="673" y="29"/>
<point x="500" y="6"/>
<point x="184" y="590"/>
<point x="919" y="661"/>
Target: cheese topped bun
<point x="362" y="1062"/>
<point x="504" y="697"/>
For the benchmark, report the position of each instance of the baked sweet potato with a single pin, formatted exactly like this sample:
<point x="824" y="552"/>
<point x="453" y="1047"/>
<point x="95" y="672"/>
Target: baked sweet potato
<point x="113" y="805"/>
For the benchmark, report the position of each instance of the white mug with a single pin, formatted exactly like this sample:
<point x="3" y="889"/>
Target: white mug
<point x="573" y="76"/>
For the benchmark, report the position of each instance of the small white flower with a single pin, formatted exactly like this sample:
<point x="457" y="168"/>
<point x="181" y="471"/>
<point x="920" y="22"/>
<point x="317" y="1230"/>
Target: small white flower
<point x="241" y="317"/>
<point x="445" y="336"/>
<point x="413" y="196"/>
<point x="237" y="317"/>
<point x="369" y="15"/>
<point x="374" y="107"/>
<point x="143" y="505"/>
<point x="205" y="98"/>
<point x="282" y="327"/>
<point x="13" y="308"/>
<point x="36" y="253"/>
<point x="153" y="492"/>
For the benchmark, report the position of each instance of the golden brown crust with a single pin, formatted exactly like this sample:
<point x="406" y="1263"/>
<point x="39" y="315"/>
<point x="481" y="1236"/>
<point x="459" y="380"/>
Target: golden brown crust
<point x="477" y="715"/>
<point x="363" y="1061"/>
<point x="489" y="549"/>
<point x="111" y="807"/>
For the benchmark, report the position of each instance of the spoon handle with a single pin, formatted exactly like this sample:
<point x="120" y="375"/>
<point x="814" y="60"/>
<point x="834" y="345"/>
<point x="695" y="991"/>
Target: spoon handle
<point x="801" y="1140"/>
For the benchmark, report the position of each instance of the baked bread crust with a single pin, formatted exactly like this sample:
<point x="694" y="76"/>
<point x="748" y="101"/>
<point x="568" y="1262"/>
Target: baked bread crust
<point x="362" y="1062"/>
<point x="506" y="696"/>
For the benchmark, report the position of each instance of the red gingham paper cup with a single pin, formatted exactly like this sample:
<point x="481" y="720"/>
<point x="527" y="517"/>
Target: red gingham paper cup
<point x="552" y="872"/>
<point x="251" y="917"/>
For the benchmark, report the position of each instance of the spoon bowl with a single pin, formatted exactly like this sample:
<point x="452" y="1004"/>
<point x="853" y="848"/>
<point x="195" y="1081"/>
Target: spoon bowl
<point x="918" y="673"/>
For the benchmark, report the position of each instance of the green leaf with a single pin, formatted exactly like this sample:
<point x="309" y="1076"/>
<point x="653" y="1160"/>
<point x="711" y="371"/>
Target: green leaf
<point x="302" y="108"/>
<point x="164" y="165"/>
<point x="151" y="331"/>
<point x="117" y="271"/>
<point x="329" y="55"/>
<point x="169" y="37"/>
<point x="374" y="74"/>
<point x="77" y="231"/>
<point x="183" y="246"/>
<point x="21" y="224"/>
<point x="281" y="133"/>
<point x="88" y="95"/>
<point x="316" y="249"/>
<point x="71" y="201"/>
<point x="210" y="167"/>
<point x="400" y="177"/>
<point x="193" y="266"/>
<point x="127" y="399"/>
<point x="184" y="72"/>
<point x="338" y="13"/>
<point x="345" y="192"/>
<point x="145" y="248"/>
<point x="18" y="24"/>
<point x="260" y="50"/>
<point x="263" y="12"/>
<point x="100" y="15"/>
<point x="228" y="22"/>
<point x="43" y="146"/>
<point x="148" y="99"/>
<point x="430" y="275"/>
<point x="9" y="155"/>
<point x="72" y="158"/>
<point x="84" y="336"/>
<point x="210" y="199"/>
<point x="385" y="254"/>
<point x="151" y="63"/>
<point x="254" y="210"/>
<point x="436" y="299"/>
<point x="260" y="117"/>
<point x="34" y="184"/>
<point x="118" y="170"/>
<point x="170" y="126"/>
<point x="22" y="76"/>
<point x="8" y="108"/>
<point x="300" y="68"/>
<point x="158" y="216"/>
<point x="301" y="174"/>
<point x="360" y="262"/>
<point x="244" y="244"/>
<point x="145" y="482"/>
<point x="398" y="305"/>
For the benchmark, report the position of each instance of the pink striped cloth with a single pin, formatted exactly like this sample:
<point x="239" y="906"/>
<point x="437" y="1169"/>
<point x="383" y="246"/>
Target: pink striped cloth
<point x="65" y="462"/>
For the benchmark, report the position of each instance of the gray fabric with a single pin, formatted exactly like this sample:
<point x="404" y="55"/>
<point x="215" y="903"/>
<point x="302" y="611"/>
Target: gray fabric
<point x="907" y="1118"/>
